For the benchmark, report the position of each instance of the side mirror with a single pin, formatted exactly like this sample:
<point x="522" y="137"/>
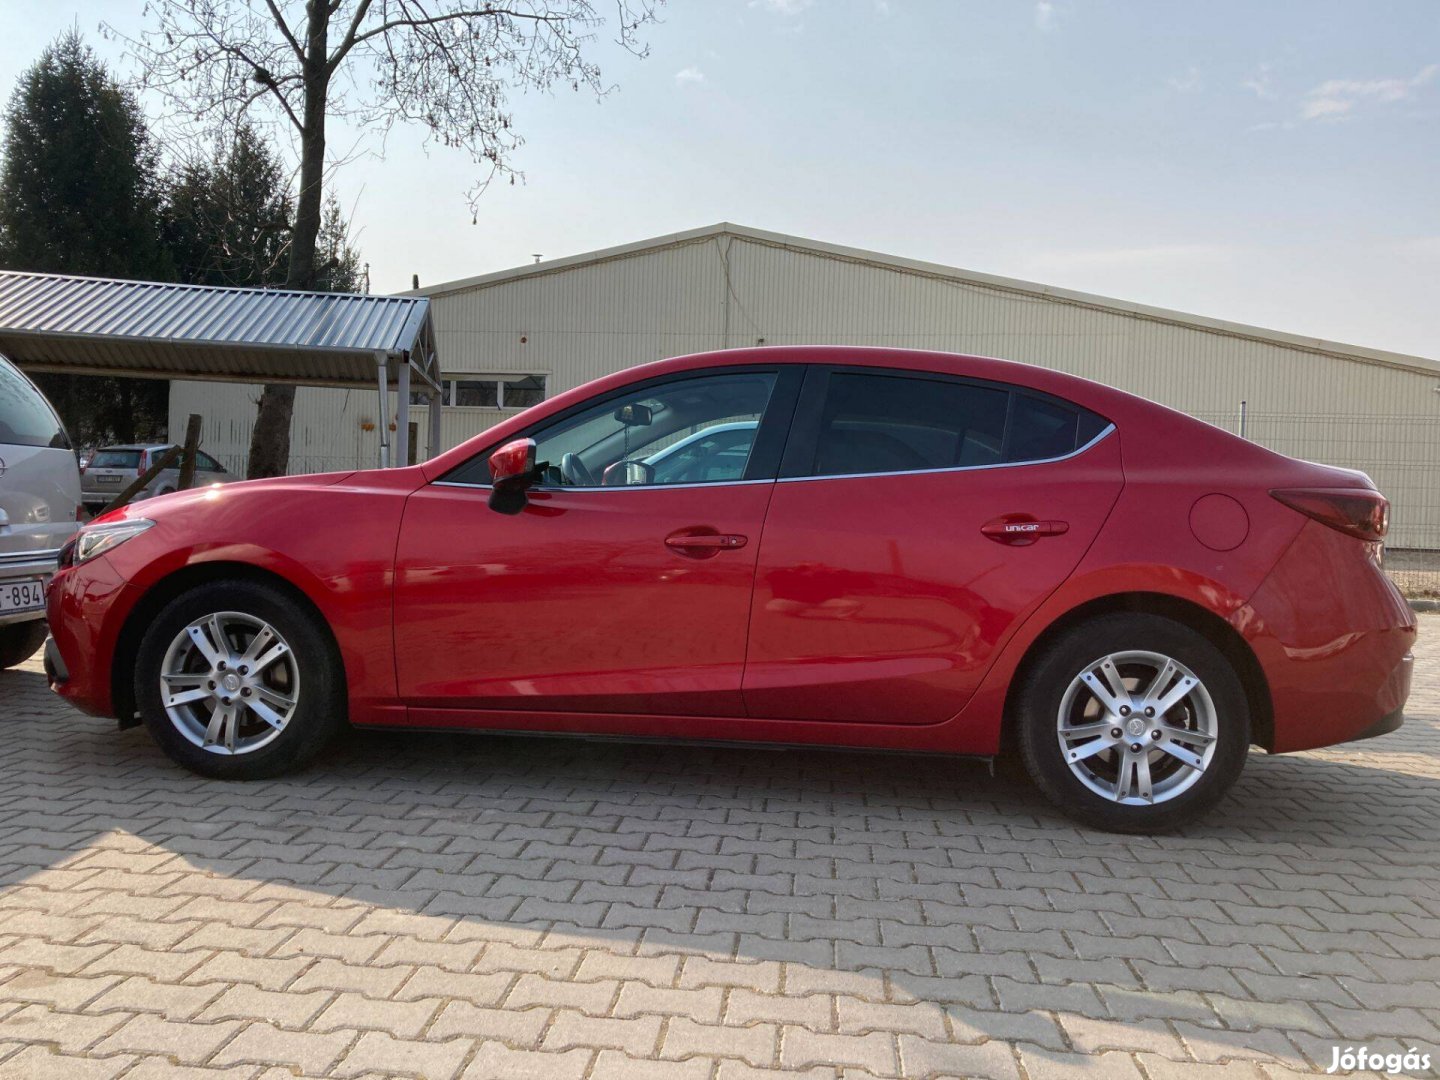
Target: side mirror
<point x="512" y="471"/>
<point x="635" y="415"/>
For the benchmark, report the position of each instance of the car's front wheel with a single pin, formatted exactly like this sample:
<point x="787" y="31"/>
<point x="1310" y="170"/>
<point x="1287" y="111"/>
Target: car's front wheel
<point x="238" y="681"/>
<point x="1133" y="723"/>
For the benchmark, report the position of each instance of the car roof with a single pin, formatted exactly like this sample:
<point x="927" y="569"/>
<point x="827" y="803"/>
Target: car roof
<point x="134" y="446"/>
<point x="1113" y="404"/>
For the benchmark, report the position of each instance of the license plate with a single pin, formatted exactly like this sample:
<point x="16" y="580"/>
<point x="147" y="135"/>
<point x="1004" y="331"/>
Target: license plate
<point x="113" y="481"/>
<point x="27" y="595"/>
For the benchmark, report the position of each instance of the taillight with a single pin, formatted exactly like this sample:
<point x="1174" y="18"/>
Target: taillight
<point x="1356" y="512"/>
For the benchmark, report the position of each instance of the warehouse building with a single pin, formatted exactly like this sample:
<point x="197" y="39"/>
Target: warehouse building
<point x="508" y="339"/>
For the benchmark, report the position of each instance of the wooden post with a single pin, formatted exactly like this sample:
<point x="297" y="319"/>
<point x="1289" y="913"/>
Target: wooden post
<point x="192" y="445"/>
<point x="166" y="460"/>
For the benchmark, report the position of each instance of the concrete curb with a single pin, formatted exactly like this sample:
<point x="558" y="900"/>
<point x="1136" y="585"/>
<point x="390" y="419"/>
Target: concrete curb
<point x="1424" y="605"/>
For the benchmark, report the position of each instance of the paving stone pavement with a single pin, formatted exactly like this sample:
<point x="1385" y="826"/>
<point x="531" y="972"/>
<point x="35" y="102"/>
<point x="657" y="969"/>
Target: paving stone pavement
<point x="449" y="906"/>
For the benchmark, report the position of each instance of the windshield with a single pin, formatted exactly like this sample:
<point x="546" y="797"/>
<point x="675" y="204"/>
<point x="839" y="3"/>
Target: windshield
<point x="26" y="418"/>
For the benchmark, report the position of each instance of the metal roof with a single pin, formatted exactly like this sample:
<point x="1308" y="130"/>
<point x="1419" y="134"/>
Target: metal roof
<point x="53" y="322"/>
<point x="968" y="278"/>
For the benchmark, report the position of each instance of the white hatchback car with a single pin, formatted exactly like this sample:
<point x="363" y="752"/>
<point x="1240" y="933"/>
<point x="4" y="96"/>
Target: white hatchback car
<point x="39" y="507"/>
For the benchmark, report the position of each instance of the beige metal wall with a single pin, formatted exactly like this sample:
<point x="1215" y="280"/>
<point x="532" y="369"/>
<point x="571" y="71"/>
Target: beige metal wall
<point x="577" y="323"/>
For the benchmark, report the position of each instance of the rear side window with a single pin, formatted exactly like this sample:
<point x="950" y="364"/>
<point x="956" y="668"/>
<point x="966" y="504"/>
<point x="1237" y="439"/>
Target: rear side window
<point x="115" y="459"/>
<point x="874" y="423"/>
<point x="1041" y="428"/>
<point x="26" y="418"/>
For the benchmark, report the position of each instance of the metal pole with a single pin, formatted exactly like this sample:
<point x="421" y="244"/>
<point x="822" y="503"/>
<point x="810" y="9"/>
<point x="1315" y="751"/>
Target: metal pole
<point x="402" y="412"/>
<point x="382" y="371"/>
<point x="1242" y="418"/>
<point x="437" y="399"/>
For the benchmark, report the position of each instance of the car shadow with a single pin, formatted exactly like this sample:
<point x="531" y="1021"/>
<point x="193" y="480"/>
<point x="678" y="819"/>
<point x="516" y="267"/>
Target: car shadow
<point x="927" y="878"/>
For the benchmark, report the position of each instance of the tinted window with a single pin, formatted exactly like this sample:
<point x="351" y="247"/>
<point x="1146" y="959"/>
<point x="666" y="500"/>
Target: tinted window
<point x="207" y="463"/>
<point x="1041" y="428"/>
<point x="688" y="430"/>
<point x="891" y="423"/>
<point x="885" y="423"/>
<point x="115" y="459"/>
<point x="26" y="418"/>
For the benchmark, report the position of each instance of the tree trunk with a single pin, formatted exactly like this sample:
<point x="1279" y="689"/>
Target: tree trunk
<point x="270" y="438"/>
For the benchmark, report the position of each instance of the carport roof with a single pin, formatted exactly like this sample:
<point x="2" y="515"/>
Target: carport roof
<point x="84" y="325"/>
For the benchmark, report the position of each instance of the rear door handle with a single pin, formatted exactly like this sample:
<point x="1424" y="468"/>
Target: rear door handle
<point x="1008" y="530"/>
<point x="703" y="545"/>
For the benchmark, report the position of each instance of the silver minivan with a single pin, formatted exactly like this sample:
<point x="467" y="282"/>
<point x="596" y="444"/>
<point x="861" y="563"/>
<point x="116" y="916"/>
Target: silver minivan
<point x="39" y="508"/>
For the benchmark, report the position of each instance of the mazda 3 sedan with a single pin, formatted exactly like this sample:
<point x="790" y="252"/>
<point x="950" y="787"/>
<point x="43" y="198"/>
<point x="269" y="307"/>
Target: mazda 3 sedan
<point x="864" y="548"/>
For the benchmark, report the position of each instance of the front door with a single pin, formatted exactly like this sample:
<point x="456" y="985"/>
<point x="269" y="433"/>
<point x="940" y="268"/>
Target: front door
<point x="917" y="518"/>
<point x="624" y="585"/>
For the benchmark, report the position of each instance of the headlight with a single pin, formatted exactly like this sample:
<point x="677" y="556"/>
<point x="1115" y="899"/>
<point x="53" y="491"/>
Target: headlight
<point x="94" y="540"/>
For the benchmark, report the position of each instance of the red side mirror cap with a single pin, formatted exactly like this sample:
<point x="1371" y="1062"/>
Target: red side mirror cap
<point x="512" y="470"/>
<point x="512" y="467"/>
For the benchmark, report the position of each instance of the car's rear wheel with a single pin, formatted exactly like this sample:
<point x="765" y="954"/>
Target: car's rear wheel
<point x="238" y="681"/>
<point x="1133" y="723"/>
<point x="20" y="641"/>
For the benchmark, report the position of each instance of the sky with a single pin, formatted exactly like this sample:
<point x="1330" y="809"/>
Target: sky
<point x="1275" y="163"/>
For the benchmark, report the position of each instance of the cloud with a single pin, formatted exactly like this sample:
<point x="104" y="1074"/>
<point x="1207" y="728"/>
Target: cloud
<point x="1187" y="83"/>
<point x="688" y="76"/>
<point x="1262" y="83"/>
<point x="1045" y="15"/>
<point x="1337" y="98"/>
<point x="782" y="7"/>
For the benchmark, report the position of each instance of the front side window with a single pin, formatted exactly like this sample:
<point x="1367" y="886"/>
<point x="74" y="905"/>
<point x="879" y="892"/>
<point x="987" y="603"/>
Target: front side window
<point x="691" y="429"/>
<point x="697" y="430"/>
<point x="26" y="419"/>
<point x="885" y="423"/>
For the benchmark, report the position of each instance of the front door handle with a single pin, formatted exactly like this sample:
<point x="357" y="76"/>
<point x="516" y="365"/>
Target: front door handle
<point x="1017" y="531"/>
<point x="700" y="545"/>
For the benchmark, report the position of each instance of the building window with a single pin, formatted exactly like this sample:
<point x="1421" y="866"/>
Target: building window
<point x="488" y="391"/>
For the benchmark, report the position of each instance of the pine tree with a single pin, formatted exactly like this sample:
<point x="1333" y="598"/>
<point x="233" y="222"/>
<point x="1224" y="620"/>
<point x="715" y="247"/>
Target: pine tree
<point x="79" y="194"/>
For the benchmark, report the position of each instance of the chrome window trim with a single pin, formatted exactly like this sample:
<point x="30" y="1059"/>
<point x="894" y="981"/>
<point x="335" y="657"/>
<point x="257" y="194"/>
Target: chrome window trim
<point x="801" y="479"/>
<point x="957" y="468"/>
<point x="615" y="487"/>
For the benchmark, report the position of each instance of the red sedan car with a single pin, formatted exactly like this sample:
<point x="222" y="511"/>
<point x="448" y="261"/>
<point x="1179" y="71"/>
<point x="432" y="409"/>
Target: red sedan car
<point x="842" y="547"/>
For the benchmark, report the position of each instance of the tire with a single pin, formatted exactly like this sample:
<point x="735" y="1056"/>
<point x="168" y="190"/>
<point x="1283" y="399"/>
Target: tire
<point x="219" y="715"/>
<point x="20" y="641"/>
<point x="1137" y="783"/>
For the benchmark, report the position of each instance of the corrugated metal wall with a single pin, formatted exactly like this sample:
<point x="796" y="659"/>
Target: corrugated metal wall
<point x="579" y="323"/>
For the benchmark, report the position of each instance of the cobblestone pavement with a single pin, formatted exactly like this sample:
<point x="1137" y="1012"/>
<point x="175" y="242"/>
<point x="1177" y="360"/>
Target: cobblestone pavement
<point x="443" y="906"/>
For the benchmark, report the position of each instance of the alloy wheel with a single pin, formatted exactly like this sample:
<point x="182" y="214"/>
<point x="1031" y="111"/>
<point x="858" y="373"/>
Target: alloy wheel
<point x="229" y="683"/>
<point x="1137" y="727"/>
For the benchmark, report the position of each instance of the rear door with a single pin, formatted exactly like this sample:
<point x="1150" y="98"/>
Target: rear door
<point x="918" y="517"/>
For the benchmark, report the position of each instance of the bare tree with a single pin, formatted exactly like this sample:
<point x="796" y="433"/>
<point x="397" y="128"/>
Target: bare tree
<point x="446" y="65"/>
